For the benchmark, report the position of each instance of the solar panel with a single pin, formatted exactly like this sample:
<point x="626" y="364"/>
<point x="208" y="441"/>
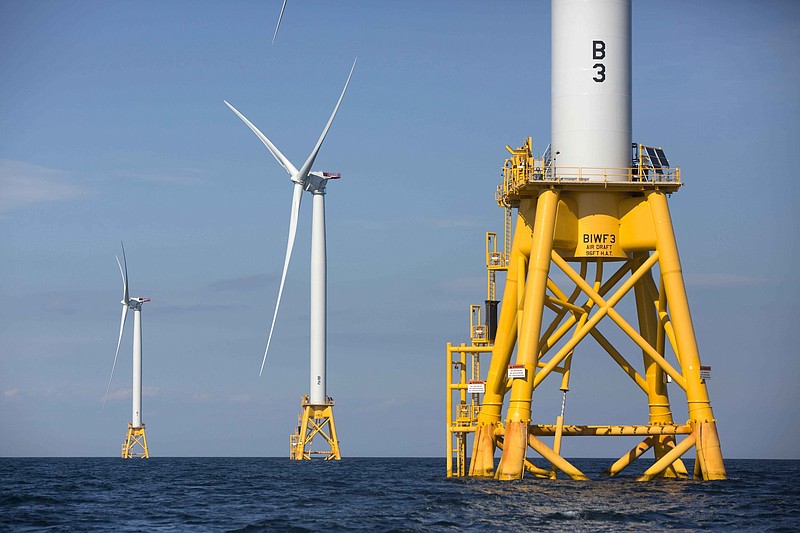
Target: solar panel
<point x="654" y="159"/>
<point x="662" y="158"/>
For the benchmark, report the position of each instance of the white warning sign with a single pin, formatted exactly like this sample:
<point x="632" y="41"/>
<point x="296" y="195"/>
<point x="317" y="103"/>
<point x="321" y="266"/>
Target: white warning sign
<point x="517" y="371"/>
<point x="476" y="387"/>
<point x="705" y="372"/>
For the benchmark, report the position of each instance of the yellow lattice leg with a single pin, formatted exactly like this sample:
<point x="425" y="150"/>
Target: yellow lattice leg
<point x="519" y="412"/>
<point x="701" y="417"/>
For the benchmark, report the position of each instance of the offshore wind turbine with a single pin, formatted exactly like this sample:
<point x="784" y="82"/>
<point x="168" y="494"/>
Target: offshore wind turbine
<point x="317" y="406"/>
<point x="135" y="444"/>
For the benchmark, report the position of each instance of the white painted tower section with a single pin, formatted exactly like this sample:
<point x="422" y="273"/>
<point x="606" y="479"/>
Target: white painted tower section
<point x="136" y="420"/>
<point x="319" y="274"/>
<point x="591" y="87"/>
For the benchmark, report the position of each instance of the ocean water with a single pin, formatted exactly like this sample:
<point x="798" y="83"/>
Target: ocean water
<point x="372" y="494"/>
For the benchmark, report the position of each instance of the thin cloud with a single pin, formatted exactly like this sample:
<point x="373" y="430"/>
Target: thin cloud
<point x="222" y="397"/>
<point x="177" y="179"/>
<point x="196" y="307"/>
<point x="242" y="283"/>
<point x="423" y="222"/>
<point x="119" y="394"/>
<point x="123" y="394"/>
<point x="242" y="398"/>
<point x="362" y="224"/>
<point x="23" y="184"/>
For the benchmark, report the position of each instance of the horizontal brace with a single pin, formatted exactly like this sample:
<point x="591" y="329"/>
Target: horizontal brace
<point x="469" y="349"/>
<point x="546" y="430"/>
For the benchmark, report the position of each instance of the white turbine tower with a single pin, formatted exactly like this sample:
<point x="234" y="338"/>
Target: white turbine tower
<point x="317" y="406"/>
<point x="136" y="435"/>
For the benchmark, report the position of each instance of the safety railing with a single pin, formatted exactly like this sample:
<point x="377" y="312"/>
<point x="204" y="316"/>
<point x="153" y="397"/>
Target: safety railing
<point x="516" y="176"/>
<point x="612" y="175"/>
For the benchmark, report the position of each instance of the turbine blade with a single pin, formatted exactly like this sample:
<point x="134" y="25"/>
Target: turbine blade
<point x="280" y="17"/>
<point x="306" y="168"/>
<point x="124" y="274"/>
<point x="119" y="341"/>
<point x="285" y="163"/>
<point x="296" y="197"/>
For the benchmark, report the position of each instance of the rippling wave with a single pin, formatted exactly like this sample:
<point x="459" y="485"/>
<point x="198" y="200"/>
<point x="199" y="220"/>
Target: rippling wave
<point x="270" y="494"/>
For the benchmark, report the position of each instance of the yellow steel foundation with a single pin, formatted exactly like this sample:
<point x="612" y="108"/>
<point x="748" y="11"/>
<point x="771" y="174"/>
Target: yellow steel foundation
<point x="619" y="233"/>
<point x="135" y="444"/>
<point x="314" y="421"/>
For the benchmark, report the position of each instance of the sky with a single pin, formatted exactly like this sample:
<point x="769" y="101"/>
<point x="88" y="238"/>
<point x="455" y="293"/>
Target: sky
<point x="113" y="128"/>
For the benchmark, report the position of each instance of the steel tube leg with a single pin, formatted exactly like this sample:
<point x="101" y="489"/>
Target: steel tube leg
<point x="485" y="442"/>
<point x="701" y="417"/>
<point x="658" y="397"/>
<point x="519" y="411"/>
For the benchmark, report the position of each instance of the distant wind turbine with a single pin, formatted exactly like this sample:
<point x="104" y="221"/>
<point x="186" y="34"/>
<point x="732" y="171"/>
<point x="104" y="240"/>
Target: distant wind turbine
<point x="317" y="406"/>
<point x="136" y="433"/>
